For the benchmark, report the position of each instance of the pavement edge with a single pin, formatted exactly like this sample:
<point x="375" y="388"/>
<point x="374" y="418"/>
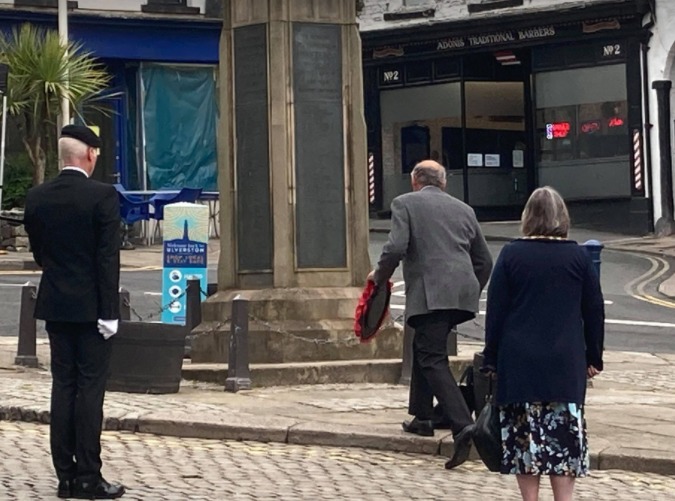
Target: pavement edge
<point x="313" y="433"/>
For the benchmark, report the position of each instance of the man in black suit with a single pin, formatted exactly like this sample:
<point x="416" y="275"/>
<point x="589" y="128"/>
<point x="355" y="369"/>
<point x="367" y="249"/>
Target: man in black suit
<point x="73" y="225"/>
<point x="446" y="264"/>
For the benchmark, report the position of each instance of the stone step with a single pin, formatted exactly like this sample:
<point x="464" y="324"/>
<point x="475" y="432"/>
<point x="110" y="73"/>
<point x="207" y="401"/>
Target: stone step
<point x="293" y="341"/>
<point x="386" y="371"/>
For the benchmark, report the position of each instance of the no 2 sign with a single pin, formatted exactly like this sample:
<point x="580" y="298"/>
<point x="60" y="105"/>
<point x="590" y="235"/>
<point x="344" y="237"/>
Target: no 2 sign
<point x="612" y="50"/>
<point x="391" y="76"/>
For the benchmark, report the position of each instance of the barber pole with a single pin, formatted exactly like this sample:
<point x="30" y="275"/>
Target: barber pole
<point x="637" y="159"/>
<point x="371" y="178"/>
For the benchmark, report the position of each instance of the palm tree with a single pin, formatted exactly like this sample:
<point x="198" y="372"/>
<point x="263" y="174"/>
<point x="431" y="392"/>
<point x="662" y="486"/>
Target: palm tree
<point x="42" y="71"/>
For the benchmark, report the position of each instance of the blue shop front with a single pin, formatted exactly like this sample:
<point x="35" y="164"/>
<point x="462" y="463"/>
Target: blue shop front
<point x="159" y="131"/>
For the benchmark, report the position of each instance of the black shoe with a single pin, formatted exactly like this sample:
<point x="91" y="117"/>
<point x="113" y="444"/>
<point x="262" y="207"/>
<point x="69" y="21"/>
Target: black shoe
<point x="65" y="489"/>
<point x="98" y="489"/>
<point x="462" y="448"/>
<point x="422" y="427"/>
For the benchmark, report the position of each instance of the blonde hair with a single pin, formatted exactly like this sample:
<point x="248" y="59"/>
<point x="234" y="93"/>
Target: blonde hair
<point x="545" y="214"/>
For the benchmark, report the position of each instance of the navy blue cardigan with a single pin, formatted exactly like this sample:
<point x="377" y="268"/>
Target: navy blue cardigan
<point x="545" y="321"/>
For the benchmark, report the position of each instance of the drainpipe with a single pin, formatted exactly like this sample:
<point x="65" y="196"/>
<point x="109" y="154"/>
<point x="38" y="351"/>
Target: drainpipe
<point x="649" y="178"/>
<point x="665" y="225"/>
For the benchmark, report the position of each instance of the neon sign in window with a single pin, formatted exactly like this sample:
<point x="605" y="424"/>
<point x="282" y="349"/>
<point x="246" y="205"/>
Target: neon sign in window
<point x="558" y="130"/>
<point x="615" y="122"/>
<point x="591" y="126"/>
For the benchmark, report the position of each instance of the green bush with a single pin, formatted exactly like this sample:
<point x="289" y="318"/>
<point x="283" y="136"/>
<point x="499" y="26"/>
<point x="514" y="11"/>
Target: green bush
<point x="18" y="179"/>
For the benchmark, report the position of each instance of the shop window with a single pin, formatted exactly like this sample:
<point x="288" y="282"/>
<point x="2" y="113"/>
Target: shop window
<point x="582" y="114"/>
<point x="413" y="120"/>
<point x="415" y="145"/>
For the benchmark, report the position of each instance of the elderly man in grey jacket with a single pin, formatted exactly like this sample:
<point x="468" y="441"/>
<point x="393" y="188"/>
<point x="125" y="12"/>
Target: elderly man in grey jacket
<point x="446" y="264"/>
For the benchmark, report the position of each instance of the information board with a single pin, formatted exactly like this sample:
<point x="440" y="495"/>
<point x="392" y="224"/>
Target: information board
<point x="186" y="236"/>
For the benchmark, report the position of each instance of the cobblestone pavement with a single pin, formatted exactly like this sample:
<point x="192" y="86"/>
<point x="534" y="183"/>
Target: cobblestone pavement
<point x="159" y="468"/>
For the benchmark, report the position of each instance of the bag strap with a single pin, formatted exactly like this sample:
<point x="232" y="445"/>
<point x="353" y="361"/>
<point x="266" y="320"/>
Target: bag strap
<point x="490" y="394"/>
<point x="467" y="376"/>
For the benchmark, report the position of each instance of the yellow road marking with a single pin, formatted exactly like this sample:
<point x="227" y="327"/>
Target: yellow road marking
<point x="641" y="282"/>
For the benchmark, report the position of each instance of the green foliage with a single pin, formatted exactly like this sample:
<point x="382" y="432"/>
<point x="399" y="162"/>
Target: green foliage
<point x="42" y="72"/>
<point x="18" y="179"/>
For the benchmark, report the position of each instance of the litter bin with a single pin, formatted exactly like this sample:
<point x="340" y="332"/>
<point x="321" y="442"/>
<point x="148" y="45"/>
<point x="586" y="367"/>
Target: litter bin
<point x="594" y="248"/>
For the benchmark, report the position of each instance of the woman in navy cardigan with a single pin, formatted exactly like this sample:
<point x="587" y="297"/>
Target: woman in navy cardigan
<point x="544" y="337"/>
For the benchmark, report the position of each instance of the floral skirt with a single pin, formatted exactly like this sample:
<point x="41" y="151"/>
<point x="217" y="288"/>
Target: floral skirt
<point x="544" y="439"/>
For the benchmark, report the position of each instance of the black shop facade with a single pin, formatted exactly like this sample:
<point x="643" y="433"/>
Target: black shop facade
<point x="511" y="104"/>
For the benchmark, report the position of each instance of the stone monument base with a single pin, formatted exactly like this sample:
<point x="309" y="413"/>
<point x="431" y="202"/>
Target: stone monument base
<point x="292" y="325"/>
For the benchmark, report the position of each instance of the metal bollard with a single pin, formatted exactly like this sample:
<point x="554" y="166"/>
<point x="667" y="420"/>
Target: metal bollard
<point x="193" y="311"/>
<point x="238" y="374"/>
<point x="406" y="365"/>
<point x="193" y="304"/>
<point x="594" y="248"/>
<point x="125" y="304"/>
<point x="26" y="354"/>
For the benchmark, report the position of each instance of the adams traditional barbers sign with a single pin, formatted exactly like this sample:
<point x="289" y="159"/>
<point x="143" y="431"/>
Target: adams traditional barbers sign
<point x="495" y="38"/>
<point x="488" y="39"/>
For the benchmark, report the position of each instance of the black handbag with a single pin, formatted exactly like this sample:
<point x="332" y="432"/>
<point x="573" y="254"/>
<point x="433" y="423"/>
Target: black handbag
<point x="487" y="435"/>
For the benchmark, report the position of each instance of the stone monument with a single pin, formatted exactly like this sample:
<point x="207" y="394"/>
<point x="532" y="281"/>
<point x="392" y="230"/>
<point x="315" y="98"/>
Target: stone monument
<point x="293" y="184"/>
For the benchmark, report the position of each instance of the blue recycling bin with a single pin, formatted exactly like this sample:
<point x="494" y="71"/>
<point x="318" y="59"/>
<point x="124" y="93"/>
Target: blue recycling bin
<point x="594" y="248"/>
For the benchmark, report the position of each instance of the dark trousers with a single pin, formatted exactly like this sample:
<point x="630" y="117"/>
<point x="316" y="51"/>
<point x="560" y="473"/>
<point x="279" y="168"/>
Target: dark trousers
<point x="80" y="363"/>
<point x="431" y="376"/>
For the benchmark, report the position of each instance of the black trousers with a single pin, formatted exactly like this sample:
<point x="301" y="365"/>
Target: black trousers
<point x="431" y="376"/>
<point x="80" y="361"/>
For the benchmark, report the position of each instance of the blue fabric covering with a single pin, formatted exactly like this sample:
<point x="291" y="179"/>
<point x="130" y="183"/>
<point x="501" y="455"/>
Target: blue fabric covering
<point x="180" y="118"/>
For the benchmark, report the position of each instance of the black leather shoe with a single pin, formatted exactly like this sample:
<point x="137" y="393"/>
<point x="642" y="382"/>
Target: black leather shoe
<point x="65" y="489"/>
<point x="422" y="427"/>
<point x="462" y="448"/>
<point x="98" y="489"/>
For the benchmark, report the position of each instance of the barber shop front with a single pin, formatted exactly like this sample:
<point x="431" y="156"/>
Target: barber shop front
<point x="552" y="102"/>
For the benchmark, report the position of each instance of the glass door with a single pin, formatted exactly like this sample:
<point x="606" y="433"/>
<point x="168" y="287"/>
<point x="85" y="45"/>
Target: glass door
<point x="496" y="143"/>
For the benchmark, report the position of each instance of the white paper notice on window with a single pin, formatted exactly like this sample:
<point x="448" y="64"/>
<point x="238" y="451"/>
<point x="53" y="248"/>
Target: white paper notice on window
<point x="492" y="161"/>
<point x="518" y="158"/>
<point x="475" y="160"/>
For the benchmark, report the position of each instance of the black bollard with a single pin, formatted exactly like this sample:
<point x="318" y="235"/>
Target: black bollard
<point x="193" y="304"/>
<point x="26" y="354"/>
<point x="193" y="311"/>
<point x="238" y="374"/>
<point x="406" y="365"/>
<point x="125" y="304"/>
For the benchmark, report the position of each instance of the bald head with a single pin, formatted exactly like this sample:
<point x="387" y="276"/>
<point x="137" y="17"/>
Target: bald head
<point x="428" y="173"/>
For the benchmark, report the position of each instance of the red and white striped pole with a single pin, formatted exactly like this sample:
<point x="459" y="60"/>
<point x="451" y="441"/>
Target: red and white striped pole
<point x="637" y="159"/>
<point x="371" y="178"/>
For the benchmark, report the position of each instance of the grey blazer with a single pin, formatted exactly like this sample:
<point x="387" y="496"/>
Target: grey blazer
<point x="446" y="261"/>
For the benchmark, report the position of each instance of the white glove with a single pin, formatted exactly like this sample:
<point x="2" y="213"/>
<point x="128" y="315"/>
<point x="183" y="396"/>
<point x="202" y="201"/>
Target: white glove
<point x="108" y="328"/>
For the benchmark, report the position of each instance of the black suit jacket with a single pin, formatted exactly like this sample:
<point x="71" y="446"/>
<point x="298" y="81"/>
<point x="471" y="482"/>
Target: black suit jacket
<point x="73" y="226"/>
